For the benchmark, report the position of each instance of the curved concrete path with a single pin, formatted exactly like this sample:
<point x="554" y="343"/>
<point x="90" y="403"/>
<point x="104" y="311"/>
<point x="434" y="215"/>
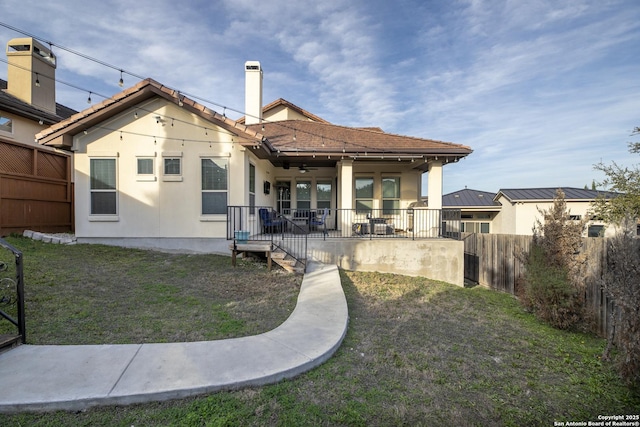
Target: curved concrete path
<point x="43" y="378"/>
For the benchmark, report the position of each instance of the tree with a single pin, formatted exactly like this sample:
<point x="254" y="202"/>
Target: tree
<point x="553" y="286"/>
<point x="620" y="180"/>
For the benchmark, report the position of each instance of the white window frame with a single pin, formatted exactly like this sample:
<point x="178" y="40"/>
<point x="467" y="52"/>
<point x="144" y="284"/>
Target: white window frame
<point x="395" y="200"/>
<point x="171" y="155"/>
<point x="225" y="191"/>
<point x="252" y="189"/>
<point x="298" y="199"/>
<point x="321" y="204"/>
<point x="104" y="216"/>
<point x="146" y="176"/>
<point x="283" y="196"/>
<point x="357" y="199"/>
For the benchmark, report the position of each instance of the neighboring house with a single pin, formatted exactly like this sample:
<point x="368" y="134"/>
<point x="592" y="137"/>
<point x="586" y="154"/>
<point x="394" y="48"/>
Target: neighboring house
<point x="156" y="168"/>
<point x="515" y="211"/>
<point x="35" y="181"/>
<point x="28" y="98"/>
<point x="478" y="209"/>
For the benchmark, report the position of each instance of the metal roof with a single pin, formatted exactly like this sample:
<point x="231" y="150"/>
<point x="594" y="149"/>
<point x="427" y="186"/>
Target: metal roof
<point x="469" y="198"/>
<point x="570" y="193"/>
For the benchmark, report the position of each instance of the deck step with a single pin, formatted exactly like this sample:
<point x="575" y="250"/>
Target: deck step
<point x="278" y="254"/>
<point x="280" y="257"/>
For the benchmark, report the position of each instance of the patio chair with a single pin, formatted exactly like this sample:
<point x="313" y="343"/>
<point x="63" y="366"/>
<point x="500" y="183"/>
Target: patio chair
<point x="270" y="221"/>
<point x="314" y="222"/>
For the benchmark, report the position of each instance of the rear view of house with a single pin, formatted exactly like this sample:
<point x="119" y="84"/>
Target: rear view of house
<point x="154" y="168"/>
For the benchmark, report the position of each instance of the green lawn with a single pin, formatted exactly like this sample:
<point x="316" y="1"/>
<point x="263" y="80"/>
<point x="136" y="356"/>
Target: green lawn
<point x="417" y="352"/>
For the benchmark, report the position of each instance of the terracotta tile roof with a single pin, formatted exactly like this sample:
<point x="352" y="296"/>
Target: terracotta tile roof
<point x="283" y="102"/>
<point x="132" y="96"/>
<point x="296" y="136"/>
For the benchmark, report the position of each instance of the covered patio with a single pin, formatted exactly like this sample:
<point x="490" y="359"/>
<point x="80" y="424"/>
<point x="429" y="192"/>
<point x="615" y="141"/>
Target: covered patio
<point x="420" y="242"/>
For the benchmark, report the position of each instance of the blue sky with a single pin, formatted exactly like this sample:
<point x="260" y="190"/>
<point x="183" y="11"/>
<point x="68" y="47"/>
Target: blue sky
<point x="541" y="90"/>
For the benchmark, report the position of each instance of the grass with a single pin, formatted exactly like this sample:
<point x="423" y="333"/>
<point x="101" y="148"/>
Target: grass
<point x="94" y="294"/>
<point x="417" y="352"/>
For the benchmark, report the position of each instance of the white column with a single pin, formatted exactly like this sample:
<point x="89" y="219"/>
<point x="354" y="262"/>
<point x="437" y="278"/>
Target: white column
<point x="346" y="184"/>
<point x="345" y="181"/>
<point x="434" y="184"/>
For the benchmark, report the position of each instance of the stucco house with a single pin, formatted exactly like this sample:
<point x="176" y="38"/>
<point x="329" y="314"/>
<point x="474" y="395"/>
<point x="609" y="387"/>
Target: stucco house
<point x="515" y="211"/>
<point x="154" y="168"/>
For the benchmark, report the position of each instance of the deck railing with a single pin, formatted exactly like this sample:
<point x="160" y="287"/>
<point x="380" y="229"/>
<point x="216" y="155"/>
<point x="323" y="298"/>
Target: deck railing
<point x="416" y="223"/>
<point x="263" y="224"/>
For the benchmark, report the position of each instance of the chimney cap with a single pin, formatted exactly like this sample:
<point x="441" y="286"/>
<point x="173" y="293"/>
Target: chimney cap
<point x="252" y="66"/>
<point x="30" y="46"/>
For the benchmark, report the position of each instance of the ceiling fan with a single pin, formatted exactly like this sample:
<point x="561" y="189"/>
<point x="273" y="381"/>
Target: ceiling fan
<point x="304" y="169"/>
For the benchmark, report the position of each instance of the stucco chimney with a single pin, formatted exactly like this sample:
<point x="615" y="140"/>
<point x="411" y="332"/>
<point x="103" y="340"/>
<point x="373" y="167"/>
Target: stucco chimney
<point x="253" y="92"/>
<point x="31" y="75"/>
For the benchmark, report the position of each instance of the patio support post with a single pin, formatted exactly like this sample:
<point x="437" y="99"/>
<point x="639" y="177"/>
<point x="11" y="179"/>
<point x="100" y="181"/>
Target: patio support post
<point x="434" y="184"/>
<point x="434" y="191"/>
<point x="345" y="174"/>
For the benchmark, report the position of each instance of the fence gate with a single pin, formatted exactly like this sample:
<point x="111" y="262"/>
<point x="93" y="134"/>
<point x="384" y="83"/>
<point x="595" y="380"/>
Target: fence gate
<point x="12" y="319"/>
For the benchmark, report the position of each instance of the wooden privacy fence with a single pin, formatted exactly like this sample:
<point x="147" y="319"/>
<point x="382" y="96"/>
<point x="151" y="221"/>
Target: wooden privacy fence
<point x="35" y="189"/>
<point x="495" y="261"/>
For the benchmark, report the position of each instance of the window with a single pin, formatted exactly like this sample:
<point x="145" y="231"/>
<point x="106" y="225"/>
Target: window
<point x="6" y="124"/>
<point x="145" y="166"/>
<point x="214" y="186"/>
<point x="172" y="166"/>
<point x="323" y="193"/>
<point x="595" y="231"/>
<point x="474" y="227"/>
<point x="303" y="195"/>
<point x="252" y="189"/>
<point x="364" y="195"/>
<point x="103" y="186"/>
<point x="390" y="195"/>
<point x="284" y="197"/>
<point x="575" y="217"/>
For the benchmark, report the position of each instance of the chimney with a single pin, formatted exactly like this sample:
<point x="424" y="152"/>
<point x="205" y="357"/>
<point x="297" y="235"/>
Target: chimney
<point x="31" y="75"/>
<point x="253" y="93"/>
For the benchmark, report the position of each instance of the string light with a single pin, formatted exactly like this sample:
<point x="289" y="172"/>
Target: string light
<point x="121" y="83"/>
<point x="120" y="135"/>
<point x="37" y="80"/>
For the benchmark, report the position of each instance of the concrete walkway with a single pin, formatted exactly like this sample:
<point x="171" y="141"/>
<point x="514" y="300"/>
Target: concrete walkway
<point x="44" y="378"/>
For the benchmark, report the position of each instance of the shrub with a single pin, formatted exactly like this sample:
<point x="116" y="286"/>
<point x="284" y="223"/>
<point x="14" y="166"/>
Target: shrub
<point x="553" y="284"/>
